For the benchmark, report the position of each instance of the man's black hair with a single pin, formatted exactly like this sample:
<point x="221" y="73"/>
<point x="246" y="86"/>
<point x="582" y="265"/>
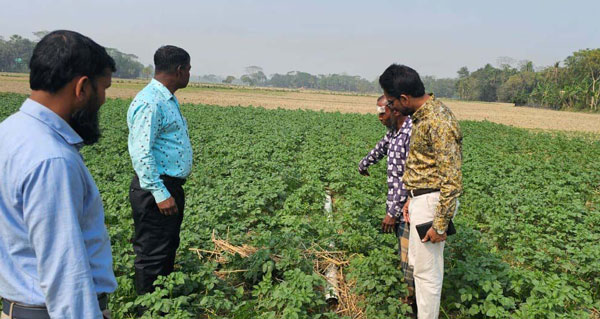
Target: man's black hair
<point x="63" y="55"/>
<point x="400" y="79"/>
<point x="167" y="58"/>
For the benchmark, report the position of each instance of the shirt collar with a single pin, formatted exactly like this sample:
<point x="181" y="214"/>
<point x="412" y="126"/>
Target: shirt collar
<point x="424" y="110"/>
<point x="52" y="120"/>
<point x="162" y="89"/>
<point x="405" y="124"/>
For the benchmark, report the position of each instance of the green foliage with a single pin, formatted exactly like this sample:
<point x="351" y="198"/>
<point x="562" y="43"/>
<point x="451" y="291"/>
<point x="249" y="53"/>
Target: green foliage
<point x="517" y="88"/>
<point x="332" y="82"/>
<point x="527" y="244"/>
<point x="229" y="79"/>
<point x="16" y="52"/>
<point x="128" y="66"/>
<point x="483" y="84"/>
<point x="254" y="76"/>
<point x="576" y="86"/>
<point x="380" y="280"/>
<point x="440" y="87"/>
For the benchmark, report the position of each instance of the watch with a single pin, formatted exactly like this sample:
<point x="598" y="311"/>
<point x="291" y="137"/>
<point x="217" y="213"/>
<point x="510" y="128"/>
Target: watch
<point x="440" y="232"/>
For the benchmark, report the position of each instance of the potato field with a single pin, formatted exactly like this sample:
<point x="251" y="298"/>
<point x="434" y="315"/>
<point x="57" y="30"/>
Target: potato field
<point x="256" y="241"/>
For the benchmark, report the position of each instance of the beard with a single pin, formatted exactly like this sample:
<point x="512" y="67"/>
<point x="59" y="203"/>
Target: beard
<point x="85" y="122"/>
<point x="392" y="123"/>
<point x="407" y="112"/>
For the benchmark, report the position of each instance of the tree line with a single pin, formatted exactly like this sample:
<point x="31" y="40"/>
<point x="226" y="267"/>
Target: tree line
<point x="255" y="76"/>
<point x="573" y="84"/>
<point x="16" y="52"/>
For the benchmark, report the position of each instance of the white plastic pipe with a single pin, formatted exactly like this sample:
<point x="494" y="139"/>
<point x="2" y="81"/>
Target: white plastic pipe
<point x="331" y="272"/>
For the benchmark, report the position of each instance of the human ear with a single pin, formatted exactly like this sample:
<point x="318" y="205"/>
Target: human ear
<point x="81" y="88"/>
<point x="404" y="100"/>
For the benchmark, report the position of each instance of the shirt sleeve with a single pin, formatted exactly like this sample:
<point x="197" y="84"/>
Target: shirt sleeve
<point x="144" y="128"/>
<point x="53" y="196"/>
<point x="377" y="153"/>
<point x="401" y="196"/>
<point x="447" y="147"/>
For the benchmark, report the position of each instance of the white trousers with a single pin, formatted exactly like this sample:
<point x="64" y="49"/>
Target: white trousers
<point x="427" y="259"/>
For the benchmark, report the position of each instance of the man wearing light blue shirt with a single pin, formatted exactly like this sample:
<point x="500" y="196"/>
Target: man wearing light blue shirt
<point x="55" y="255"/>
<point x="161" y="154"/>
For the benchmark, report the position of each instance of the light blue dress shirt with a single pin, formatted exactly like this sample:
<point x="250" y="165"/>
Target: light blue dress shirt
<point x="54" y="247"/>
<point x="159" y="143"/>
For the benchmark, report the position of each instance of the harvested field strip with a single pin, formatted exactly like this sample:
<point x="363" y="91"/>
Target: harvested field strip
<point x="501" y="113"/>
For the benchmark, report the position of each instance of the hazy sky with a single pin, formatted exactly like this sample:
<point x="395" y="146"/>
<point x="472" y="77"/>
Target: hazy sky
<point x="321" y="37"/>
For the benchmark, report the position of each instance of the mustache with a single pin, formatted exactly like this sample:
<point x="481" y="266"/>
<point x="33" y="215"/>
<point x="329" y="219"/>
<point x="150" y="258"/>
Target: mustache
<point x="87" y="124"/>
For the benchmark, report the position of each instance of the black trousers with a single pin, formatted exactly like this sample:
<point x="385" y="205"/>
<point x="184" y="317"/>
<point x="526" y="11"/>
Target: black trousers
<point x="156" y="235"/>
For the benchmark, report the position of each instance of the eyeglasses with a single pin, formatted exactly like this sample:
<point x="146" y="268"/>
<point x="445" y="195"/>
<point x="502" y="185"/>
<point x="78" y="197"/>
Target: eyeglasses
<point x="390" y="105"/>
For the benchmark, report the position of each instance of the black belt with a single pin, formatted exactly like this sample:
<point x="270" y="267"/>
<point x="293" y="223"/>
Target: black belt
<point x="175" y="180"/>
<point x="21" y="311"/>
<point x="418" y="192"/>
<point x="39" y="312"/>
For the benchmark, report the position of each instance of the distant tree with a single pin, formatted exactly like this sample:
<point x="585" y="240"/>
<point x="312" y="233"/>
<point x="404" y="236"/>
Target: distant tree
<point x="440" y="87"/>
<point x="229" y="79"/>
<point x="506" y="62"/>
<point x="584" y="66"/>
<point x="526" y="66"/>
<point x="247" y="80"/>
<point x="253" y="69"/>
<point x="40" y="34"/>
<point x="466" y="88"/>
<point x="463" y="72"/>
<point x="517" y="88"/>
<point x="15" y="54"/>
<point x="254" y="75"/>
<point x="210" y="78"/>
<point x="483" y="84"/>
<point x="148" y="71"/>
<point x="128" y="66"/>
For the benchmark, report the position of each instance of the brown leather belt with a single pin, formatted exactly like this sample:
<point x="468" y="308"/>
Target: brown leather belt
<point x="17" y="310"/>
<point x="418" y="192"/>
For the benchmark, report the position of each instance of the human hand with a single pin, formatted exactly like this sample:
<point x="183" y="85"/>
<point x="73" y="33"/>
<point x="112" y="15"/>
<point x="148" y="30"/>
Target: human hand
<point x="388" y="223"/>
<point x="364" y="172"/>
<point x="168" y="207"/>
<point x="405" y="211"/>
<point x="433" y="236"/>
